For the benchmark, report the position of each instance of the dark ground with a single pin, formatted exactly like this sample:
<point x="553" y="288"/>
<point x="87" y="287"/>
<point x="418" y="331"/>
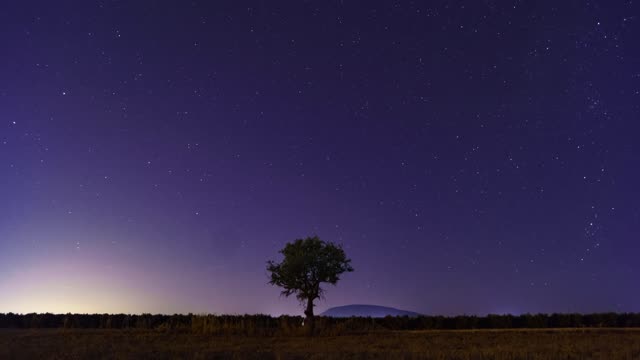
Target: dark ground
<point x="566" y="344"/>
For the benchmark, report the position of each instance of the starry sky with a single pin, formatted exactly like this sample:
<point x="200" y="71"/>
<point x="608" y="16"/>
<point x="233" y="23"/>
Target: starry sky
<point x="472" y="157"/>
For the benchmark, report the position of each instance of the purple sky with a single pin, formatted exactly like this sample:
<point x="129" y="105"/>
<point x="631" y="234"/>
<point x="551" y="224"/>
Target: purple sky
<point x="471" y="157"/>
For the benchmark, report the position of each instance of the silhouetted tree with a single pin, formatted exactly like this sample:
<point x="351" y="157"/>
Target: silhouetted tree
<point x="307" y="263"/>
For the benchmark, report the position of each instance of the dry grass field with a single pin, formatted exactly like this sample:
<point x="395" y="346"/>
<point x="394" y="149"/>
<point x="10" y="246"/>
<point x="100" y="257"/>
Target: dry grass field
<point x="543" y="344"/>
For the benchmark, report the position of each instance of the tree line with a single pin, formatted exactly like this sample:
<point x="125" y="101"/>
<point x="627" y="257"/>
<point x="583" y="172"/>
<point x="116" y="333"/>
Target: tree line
<point x="287" y="325"/>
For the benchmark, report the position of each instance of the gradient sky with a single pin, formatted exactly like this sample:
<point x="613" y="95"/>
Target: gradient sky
<point x="472" y="157"/>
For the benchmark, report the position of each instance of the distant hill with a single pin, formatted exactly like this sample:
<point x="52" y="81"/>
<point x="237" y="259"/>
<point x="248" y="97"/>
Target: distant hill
<point x="366" y="311"/>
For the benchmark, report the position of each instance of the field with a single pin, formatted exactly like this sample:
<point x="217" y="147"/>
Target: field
<point x="525" y="344"/>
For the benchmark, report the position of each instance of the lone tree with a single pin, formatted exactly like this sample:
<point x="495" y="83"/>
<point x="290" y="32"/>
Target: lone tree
<point x="307" y="263"/>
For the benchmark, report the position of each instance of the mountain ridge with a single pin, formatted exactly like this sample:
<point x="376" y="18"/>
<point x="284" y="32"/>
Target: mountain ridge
<point x="366" y="310"/>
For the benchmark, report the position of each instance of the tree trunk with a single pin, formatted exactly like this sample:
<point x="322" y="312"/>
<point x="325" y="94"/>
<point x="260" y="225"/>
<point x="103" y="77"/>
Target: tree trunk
<point x="310" y="321"/>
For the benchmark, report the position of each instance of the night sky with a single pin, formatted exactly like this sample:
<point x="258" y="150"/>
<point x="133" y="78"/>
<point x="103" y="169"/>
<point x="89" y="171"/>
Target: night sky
<point x="472" y="157"/>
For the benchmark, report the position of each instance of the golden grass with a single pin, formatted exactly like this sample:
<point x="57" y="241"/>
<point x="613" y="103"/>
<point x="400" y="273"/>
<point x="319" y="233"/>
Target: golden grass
<point x="537" y="344"/>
